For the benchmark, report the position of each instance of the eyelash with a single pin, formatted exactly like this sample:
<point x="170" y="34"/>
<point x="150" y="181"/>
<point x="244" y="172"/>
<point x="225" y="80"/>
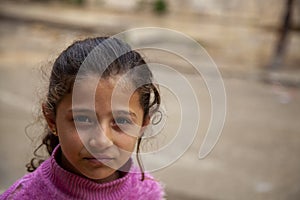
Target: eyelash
<point x="124" y="121"/>
<point x="118" y="121"/>
<point x="83" y="119"/>
<point x="122" y="126"/>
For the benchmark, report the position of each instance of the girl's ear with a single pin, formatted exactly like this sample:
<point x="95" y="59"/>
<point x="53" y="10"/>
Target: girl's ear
<point x="49" y="116"/>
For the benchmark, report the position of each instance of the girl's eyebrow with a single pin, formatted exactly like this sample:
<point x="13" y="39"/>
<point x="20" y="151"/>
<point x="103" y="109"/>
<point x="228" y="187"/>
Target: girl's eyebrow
<point x="81" y="110"/>
<point x="125" y="112"/>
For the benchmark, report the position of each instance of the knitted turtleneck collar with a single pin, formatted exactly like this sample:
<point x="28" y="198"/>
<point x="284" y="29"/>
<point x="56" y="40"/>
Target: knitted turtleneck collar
<point x="80" y="187"/>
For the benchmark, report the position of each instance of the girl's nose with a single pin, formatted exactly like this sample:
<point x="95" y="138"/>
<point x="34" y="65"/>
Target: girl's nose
<point x="101" y="139"/>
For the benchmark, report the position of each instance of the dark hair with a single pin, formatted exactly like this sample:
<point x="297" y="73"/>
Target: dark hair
<point x="66" y="68"/>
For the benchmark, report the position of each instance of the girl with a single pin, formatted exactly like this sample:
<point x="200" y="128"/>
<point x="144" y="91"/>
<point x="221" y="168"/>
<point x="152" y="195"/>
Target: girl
<point x="91" y="129"/>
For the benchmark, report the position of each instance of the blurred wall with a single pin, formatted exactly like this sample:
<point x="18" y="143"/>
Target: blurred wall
<point x="266" y="12"/>
<point x="240" y="35"/>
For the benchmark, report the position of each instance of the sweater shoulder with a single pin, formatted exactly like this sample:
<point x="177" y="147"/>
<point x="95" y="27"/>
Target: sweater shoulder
<point x="31" y="186"/>
<point x="18" y="189"/>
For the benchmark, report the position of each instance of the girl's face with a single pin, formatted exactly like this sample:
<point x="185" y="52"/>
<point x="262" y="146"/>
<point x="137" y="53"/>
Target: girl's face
<point x="97" y="145"/>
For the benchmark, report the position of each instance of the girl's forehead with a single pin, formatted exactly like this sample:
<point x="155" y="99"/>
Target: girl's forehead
<point x="91" y="87"/>
<point x="105" y="94"/>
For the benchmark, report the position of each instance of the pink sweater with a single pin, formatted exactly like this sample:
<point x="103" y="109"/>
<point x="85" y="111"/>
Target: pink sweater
<point x="50" y="181"/>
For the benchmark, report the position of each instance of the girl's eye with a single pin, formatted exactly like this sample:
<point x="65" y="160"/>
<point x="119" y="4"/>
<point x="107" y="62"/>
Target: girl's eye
<point x="125" y="125"/>
<point x="122" y="124"/>
<point x="122" y="121"/>
<point x="82" y="119"/>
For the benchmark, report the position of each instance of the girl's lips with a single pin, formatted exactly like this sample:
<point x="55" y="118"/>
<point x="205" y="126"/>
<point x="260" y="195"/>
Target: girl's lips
<point x="100" y="160"/>
<point x="94" y="162"/>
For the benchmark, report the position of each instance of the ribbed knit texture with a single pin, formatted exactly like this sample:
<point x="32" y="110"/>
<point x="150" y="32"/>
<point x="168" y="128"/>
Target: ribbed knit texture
<point x="50" y="181"/>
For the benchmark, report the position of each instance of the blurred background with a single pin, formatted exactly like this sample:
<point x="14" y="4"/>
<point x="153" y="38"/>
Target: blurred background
<point x="254" y="43"/>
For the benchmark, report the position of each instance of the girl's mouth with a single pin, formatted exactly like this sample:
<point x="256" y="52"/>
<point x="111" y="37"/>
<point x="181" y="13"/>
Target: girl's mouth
<point x="99" y="160"/>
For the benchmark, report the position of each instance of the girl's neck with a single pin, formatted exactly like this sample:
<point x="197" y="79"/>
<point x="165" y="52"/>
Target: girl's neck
<point x="110" y="178"/>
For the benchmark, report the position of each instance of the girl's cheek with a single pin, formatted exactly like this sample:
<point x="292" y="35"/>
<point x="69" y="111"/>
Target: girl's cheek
<point x="133" y="142"/>
<point x="126" y="143"/>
